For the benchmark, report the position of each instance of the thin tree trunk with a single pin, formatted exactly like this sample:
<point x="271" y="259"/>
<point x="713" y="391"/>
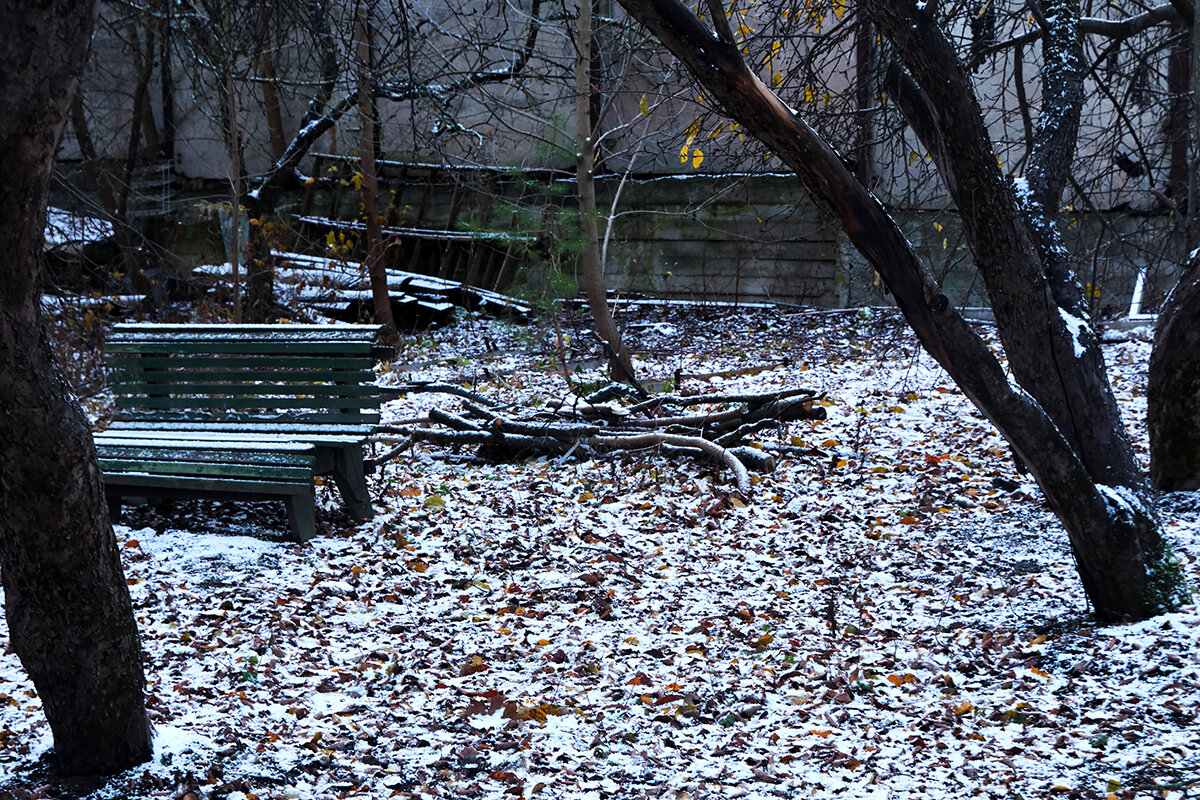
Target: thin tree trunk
<point x="866" y="53"/>
<point x="87" y="148"/>
<point x="620" y="364"/>
<point x="376" y="269"/>
<point x="1177" y="125"/>
<point x="166" y="142"/>
<point x="271" y="106"/>
<point x="69" y="612"/>
<point x="234" y="144"/>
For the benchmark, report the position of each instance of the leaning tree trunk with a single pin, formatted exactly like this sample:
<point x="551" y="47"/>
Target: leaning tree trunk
<point x="590" y="262"/>
<point x="1126" y="568"/>
<point x="1173" y="393"/>
<point x="381" y="298"/>
<point x="69" y="614"/>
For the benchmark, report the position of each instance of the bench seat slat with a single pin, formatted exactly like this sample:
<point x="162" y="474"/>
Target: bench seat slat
<point x="264" y="376"/>
<point x="280" y="454"/>
<point x="126" y="402"/>
<point x="272" y="347"/>
<point x="215" y="485"/>
<point x="277" y="436"/>
<point x="190" y="469"/>
<point x="318" y="392"/>
<point x="131" y="361"/>
<point x="247" y="332"/>
<point x="249" y="422"/>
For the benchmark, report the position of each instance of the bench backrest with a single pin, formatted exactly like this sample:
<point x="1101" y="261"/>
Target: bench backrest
<point x="254" y="377"/>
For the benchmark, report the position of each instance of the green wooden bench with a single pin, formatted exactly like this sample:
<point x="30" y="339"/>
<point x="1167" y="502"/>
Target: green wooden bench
<point x="241" y="411"/>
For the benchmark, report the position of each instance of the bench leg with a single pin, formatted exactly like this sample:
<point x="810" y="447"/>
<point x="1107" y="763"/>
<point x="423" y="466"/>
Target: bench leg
<point x="351" y="480"/>
<point x="302" y="516"/>
<point x="114" y="507"/>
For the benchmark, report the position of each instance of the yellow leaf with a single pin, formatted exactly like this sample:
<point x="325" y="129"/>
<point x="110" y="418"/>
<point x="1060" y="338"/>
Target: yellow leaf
<point x="643" y="106"/>
<point x="417" y="565"/>
<point x="733" y="501"/>
<point x="839" y="8"/>
<point x="697" y="157"/>
<point x="433" y="501"/>
<point x="764" y="640"/>
<point x="810" y="94"/>
<point x="964" y="708"/>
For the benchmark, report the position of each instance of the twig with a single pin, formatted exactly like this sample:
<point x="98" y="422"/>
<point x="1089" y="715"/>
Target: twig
<point x="740" y="474"/>
<point x="371" y="464"/>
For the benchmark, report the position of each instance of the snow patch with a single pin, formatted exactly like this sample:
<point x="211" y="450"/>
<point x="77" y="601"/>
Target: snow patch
<point x="1080" y="331"/>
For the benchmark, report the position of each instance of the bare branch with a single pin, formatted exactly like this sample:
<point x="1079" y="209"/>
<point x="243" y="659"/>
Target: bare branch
<point x="721" y="22"/>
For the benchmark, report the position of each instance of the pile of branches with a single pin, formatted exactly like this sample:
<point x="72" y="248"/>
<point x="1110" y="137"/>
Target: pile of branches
<point x="585" y="427"/>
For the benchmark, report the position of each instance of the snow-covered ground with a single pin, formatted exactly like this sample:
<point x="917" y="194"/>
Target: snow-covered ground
<point x="895" y="614"/>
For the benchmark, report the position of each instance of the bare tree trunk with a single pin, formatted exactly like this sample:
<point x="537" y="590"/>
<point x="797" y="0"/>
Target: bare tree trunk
<point x="271" y="105"/>
<point x="620" y="364"/>
<point x="68" y="607"/>
<point x="1177" y="125"/>
<point x="376" y="269"/>
<point x="866" y="54"/>
<point x="1126" y="567"/>
<point x="233" y="142"/>
<point x="87" y="148"/>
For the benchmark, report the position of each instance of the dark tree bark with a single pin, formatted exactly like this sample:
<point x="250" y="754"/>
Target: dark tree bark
<point x="1040" y="310"/>
<point x="1126" y="568"/>
<point x="1173" y="393"/>
<point x="68" y="608"/>
<point x="620" y="364"/>
<point x="368" y="116"/>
